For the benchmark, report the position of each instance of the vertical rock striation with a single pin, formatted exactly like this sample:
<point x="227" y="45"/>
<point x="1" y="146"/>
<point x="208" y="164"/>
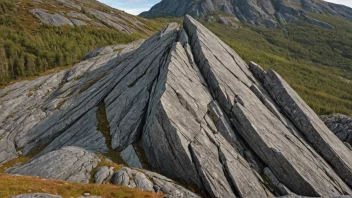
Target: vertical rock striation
<point x="189" y="106"/>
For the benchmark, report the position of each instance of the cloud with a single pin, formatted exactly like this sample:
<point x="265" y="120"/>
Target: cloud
<point x="131" y="6"/>
<point x="136" y="11"/>
<point x="343" y="2"/>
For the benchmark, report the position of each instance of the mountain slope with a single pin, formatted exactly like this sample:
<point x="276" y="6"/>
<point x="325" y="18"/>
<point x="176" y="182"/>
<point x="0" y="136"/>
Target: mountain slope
<point x="36" y="36"/>
<point x="261" y="13"/>
<point x="171" y="104"/>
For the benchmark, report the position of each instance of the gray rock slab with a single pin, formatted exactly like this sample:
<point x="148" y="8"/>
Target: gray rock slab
<point x="289" y="157"/>
<point x="51" y="19"/>
<point x="309" y="123"/>
<point x="69" y="163"/>
<point x="130" y="156"/>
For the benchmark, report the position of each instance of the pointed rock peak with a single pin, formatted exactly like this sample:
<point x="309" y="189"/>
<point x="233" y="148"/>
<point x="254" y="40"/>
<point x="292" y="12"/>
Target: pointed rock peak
<point x="182" y="103"/>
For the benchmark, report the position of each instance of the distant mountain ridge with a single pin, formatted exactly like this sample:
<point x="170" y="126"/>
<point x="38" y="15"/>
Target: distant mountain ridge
<point x="256" y="12"/>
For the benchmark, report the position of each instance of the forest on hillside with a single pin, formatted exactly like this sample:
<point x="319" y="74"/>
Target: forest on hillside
<point x="28" y="50"/>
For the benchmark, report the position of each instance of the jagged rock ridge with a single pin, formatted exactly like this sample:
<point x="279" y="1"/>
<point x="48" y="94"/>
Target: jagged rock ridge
<point x="260" y="13"/>
<point x="194" y="109"/>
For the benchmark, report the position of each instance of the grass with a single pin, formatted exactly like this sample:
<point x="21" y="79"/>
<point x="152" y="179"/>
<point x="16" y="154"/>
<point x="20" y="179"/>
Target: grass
<point x="104" y="128"/>
<point x="15" y="185"/>
<point x="19" y="160"/>
<point x="313" y="60"/>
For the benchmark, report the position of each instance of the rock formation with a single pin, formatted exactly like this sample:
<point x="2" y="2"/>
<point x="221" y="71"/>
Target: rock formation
<point x="260" y="13"/>
<point x="341" y="126"/>
<point x="84" y="13"/>
<point x="182" y="104"/>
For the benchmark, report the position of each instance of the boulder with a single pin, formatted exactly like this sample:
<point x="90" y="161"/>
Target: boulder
<point x="151" y="182"/>
<point x="103" y="174"/>
<point x="69" y="163"/>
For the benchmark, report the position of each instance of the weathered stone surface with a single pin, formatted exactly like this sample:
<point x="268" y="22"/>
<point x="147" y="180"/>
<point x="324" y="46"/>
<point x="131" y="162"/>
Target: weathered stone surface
<point x="149" y="181"/>
<point x="313" y="128"/>
<point x="182" y="128"/>
<point x="103" y="174"/>
<point x="7" y="150"/>
<point x="340" y="125"/>
<point x="198" y="113"/>
<point x="129" y="155"/>
<point x="26" y="104"/>
<point x="51" y="19"/>
<point x="69" y="163"/>
<point x="36" y="195"/>
<point x="289" y="157"/>
<point x="120" y="22"/>
<point x="77" y="22"/>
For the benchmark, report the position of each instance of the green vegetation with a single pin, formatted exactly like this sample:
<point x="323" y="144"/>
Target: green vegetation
<point x="315" y="61"/>
<point x="29" y="49"/>
<point x="311" y="59"/>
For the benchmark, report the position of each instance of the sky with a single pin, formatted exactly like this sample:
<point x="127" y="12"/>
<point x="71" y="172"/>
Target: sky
<point x="134" y="7"/>
<point x="137" y="6"/>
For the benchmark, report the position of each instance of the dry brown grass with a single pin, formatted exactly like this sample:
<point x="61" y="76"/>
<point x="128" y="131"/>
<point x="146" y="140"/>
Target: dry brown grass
<point x="14" y="185"/>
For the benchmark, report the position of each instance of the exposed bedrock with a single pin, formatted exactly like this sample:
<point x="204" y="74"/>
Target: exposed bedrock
<point x="182" y="104"/>
<point x="279" y="145"/>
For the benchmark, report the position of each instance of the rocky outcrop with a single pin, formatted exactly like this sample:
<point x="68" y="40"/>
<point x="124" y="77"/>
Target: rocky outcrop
<point x="85" y="13"/>
<point x="151" y="182"/>
<point x="305" y="119"/>
<point x="260" y="13"/>
<point x="51" y="19"/>
<point x="103" y="175"/>
<point x="188" y="107"/>
<point x="69" y="163"/>
<point x="273" y="138"/>
<point x="341" y="126"/>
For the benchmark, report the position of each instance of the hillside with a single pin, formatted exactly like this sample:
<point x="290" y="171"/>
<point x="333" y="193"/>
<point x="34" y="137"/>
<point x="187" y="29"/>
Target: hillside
<point x="259" y="13"/>
<point x="39" y="35"/>
<point x="315" y="61"/>
<point x="180" y="114"/>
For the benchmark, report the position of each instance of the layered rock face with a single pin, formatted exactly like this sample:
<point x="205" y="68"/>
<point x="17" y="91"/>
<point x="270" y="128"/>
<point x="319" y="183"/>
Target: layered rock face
<point x="260" y="13"/>
<point x="85" y="13"/>
<point x="183" y="104"/>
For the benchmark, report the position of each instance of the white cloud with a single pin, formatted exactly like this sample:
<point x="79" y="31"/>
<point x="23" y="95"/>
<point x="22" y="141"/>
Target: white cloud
<point x="135" y="11"/>
<point x="343" y="2"/>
